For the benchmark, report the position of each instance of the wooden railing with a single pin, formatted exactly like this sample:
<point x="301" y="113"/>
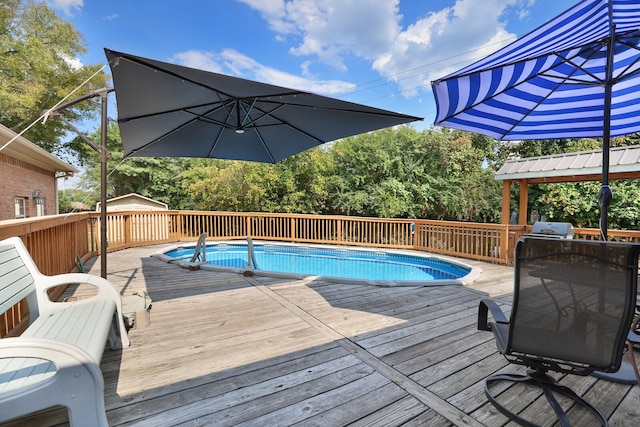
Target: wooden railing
<point x="612" y="235"/>
<point x="57" y="243"/>
<point x="487" y="242"/>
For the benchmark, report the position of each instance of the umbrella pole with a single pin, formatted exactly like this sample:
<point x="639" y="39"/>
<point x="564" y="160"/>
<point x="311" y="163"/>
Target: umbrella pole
<point x="606" y="195"/>
<point x="103" y="185"/>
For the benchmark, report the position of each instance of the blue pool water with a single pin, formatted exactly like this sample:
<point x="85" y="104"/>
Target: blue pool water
<point x="332" y="262"/>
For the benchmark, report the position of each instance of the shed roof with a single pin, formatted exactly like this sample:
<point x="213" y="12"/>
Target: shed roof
<point x="25" y="150"/>
<point x="134" y="197"/>
<point x="624" y="163"/>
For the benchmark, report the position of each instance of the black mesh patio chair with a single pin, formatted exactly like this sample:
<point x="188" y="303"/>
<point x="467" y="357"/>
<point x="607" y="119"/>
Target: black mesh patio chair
<point x="573" y="305"/>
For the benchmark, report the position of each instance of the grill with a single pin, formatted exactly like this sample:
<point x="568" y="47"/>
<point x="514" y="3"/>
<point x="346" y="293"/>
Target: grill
<point x="560" y="230"/>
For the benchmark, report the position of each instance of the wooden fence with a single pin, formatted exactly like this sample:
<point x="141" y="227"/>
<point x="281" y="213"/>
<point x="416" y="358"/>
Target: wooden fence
<point x="58" y="242"/>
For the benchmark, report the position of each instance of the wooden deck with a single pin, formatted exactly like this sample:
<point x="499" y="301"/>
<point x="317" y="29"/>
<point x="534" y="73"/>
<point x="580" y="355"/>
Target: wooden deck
<point x="228" y="350"/>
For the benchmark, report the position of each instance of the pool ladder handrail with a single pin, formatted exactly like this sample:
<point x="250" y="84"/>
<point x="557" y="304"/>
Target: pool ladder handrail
<point x="200" y="252"/>
<point x="251" y="255"/>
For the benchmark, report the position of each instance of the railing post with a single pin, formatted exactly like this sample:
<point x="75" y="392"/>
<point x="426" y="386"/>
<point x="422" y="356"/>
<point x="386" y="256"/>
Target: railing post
<point x="504" y="244"/>
<point x="294" y="228"/>
<point x="127" y="229"/>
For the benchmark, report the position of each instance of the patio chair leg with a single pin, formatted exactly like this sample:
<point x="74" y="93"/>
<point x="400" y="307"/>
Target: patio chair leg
<point x="633" y="339"/>
<point x="549" y="386"/>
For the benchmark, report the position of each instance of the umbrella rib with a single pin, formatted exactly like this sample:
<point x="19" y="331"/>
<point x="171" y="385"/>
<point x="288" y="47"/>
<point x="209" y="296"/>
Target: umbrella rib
<point x="622" y="75"/>
<point x="213" y="147"/>
<point x="174" y="110"/>
<point x="224" y="125"/>
<point x="228" y="105"/>
<point x="264" y="113"/>
<point x="142" y="147"/>
<point x="296" y="128"/>
<point x="598" y="82"/>
<point x="183" y="125"/>
<point x="247" y="111"/>
<point x="264" y="145"/>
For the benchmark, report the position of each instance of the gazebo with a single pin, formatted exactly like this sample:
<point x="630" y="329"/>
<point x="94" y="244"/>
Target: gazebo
<point x="568" y="167"/>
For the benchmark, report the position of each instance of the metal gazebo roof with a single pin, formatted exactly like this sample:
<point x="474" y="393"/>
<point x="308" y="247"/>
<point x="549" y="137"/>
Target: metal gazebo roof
<point x="572" y="167"/>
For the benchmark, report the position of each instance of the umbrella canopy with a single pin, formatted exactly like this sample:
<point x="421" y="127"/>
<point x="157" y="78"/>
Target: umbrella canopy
<point x="167" y="110"/>
<point x="576" y="76"/>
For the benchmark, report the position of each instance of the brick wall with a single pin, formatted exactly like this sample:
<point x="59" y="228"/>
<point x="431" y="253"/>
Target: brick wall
<point x="21" y="179"/>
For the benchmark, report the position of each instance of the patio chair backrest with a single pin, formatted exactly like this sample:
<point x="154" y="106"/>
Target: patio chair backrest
<point x="573" y="300"/>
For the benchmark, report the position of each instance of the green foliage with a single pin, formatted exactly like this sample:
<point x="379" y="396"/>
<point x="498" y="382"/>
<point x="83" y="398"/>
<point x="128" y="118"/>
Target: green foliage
<point x="64" y="202"/>
<point x="577" y="203"/>
<point x="37" y="53"/>
<point x="393" y="173"/>
<point x="75" y="200"/>
<point x="408" y="174"/>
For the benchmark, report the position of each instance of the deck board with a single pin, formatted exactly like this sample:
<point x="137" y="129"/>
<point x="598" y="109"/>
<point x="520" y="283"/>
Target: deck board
<point x="227" y="350"/>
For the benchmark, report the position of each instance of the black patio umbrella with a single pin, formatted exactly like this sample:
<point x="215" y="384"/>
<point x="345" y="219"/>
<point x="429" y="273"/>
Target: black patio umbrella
<point x="576" y="76"/>
<point x="167" y="110"/>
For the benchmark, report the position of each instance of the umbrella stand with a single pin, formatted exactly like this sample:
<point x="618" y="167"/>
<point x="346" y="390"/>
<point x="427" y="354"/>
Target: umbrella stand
<point x="102" y="150"/>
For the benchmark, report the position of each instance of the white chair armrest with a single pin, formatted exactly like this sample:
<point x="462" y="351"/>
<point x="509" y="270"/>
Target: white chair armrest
<point x="104" y="287"/>
<point x="105" y="290"/>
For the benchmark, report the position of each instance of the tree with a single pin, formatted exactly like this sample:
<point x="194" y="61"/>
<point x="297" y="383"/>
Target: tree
<point x="576" y="202"/>
<point x="409" y="174"/>
<point x="37" y="70"/>
<point x="156" y="178"/>
<point x="394" y="173"/>
<point x="71" y="200"/>
<point x="294" y="185"/>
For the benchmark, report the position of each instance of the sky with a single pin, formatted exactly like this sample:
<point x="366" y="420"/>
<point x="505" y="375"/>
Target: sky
<point x="382" y="53"/>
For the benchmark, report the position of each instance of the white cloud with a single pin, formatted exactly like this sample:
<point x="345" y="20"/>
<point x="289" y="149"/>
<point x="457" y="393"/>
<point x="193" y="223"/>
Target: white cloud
<point x="331" y="30"/>
<point x="67" y="6"/>
<point x="73" y="61"/>
<point x="198" y="59"/>
<point x="234" y="63"/>
<point x="443" y="42"/>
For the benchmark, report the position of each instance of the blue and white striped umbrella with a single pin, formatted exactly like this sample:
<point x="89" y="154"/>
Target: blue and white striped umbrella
<point x="577" y="76"/>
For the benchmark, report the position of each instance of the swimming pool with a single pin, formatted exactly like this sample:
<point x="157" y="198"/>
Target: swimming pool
<point x="331" y="263"/>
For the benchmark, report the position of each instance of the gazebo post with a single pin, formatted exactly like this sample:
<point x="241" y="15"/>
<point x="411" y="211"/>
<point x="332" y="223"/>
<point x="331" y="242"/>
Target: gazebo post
<point x="524" y="201"/>
<point x="506" y="201"/>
